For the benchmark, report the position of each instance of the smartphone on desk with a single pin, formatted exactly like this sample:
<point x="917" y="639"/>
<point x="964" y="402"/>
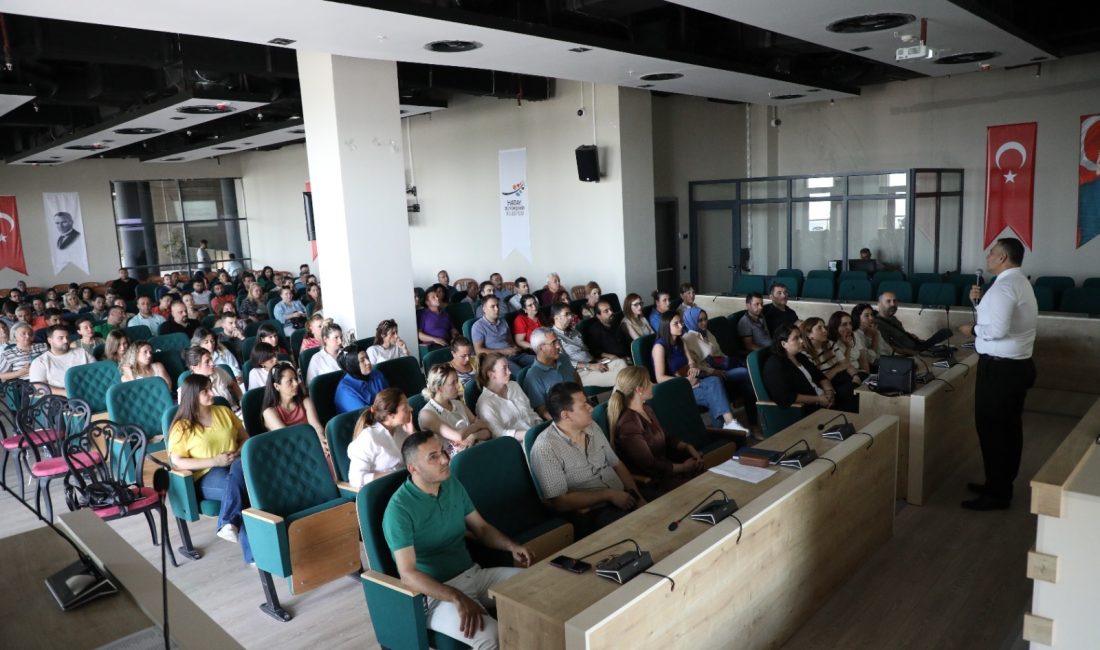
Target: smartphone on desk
<point x="570" y="565"/>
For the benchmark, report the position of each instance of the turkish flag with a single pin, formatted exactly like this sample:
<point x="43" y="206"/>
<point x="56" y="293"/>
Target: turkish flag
<point x="1010" y="180"/>
<point x="11" y="244"/>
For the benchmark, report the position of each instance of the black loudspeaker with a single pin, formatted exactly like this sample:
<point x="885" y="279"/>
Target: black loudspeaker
<point x="588" y="163"/>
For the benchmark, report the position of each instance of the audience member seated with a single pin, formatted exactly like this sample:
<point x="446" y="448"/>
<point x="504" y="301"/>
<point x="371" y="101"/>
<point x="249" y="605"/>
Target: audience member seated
<point x="526" y="321"/>
<point x="193" y="311"/>
<point x="234" y="267"/>
<point x="124" y="286"/>
<point x="790" y="377"/>
<point x="232" y="334"/>
<point x="24" y="314"/>
<point x="200" y="294"/>
<point x="266" y="279"/>
<point x="138" y="363"/>
<point x="387" y="344"/>
<point x="71" y="303"/>
<point x="179" y="322"/>
<point x="286" y="404"/>
<point x="220" y="299"/>
<point x="462" y="354"/>
<point x="753" y="327"/>
<point x="490" y="334"/>
<point x="575" y="467"/>
<point x="484" y="290"/>
<point x="563" y="298"/>
<point x="446" y="415"/>
<point x="592" y="293"/>
<point x="443" y="279"/>
<point x="290" y="312"/>
<point x="662" y="303"/>
<point x="433" y="323"/>
<point x="426" y="525"/>
<point x="115" y="318"/>
<point x="550" y="292"/>
<point x="503" y="405"/>
<point x="253" y="307"/>
<point x="3" y="335"/>
<point x="313" y="297"/>
<point x="206" y="440"/>
<point x="205" y="339"/>
<point x="500" y="291"/>
<point x="360" y="384"/>
<point x="115" y="346"/>
<point x="15" y="361"/>
<point x="521" y="289"/>
<point x="268" y="334"/>
<point x="635" y="324"/>
<point x="846" y="347"/>
<point x="263" y="359"/>
<point x="52" y="317"/>
<point x="893" y="332"/>
<point x="592" y="372"/>
<point x="146" y="317"/>
<point x="687" y="306"/>
<point x="866" y="332"/>
<point x="778" y="312"/>
<point x="50" y="366"/>
<point x="551" y="368"/>
<point x="670" y="360"/>
<point x="314" y="326"/>
<point x="604" y="337"/>
<point x="200" y="362"/>
<point x="164" y="305"/>
<point x="636" y="435"/>
<point x="375" y="449"/>
<point x="816" y="346"/>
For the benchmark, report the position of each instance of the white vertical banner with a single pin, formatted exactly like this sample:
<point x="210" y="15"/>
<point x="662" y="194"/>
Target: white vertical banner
<point x="515" y="221"/>
<point x="68" y="244"/>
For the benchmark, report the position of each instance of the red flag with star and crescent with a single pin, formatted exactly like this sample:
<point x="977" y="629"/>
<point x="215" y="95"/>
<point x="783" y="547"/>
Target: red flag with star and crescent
<point x="1010" y="180"/>
<point x="11" y="244"/>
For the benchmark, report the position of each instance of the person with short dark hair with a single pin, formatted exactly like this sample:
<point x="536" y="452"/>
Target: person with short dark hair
<point x="115" y="319"/>
<point x="490" y="333"/>
<point x="263" y="359"/>
<point x="200" y="361"/>
<point x="604" y="337"/>
<point x="462" y="354"/>
<point x="662" y="302"/>
<point x="388" y="345"/>
<point x="575" y="466"/>
<point x="124" y="286"/>
<point x="790" y="377"/>
<point x="51" y="366"/>
<point x="52" y="316"/>
<point x="688" y="309"/>
<point x="484" y="291"/>
<point x="521" y="288"/>
<point x="207" y="340"/>
<point x="753" y="327"/>
<point x="425" y="525"/>
<point x="866" y="333"/>
<point x="202" y="256"/>
<point x="1004" y="332"/>
<point x="145" y="316"/>
<point x="220" y="298"/>
<point x="778" y="312"/>
<point x="234" y="267"/>
<point x="895" y="334"/>
<point x="88" y="340"/>
<point x="592" y="371"/>
<point x="433" y="323"/>
<point x="179" y="322"/>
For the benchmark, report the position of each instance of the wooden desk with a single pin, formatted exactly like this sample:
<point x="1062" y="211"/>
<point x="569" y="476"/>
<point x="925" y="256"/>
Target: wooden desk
<point x="935" y="426"/>
<point x="803" y="533"/>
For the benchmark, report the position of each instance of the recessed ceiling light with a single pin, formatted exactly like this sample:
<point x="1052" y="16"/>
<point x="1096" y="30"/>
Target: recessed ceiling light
<point x="246" y="143"/>
<point x="813" y="90"/>
<point x="138" y="130"/>
<point x="861" y="48"/>
<point x="39" y="162"/>
<point x="281" y="41"/>
<point x="661" y="76"/>
<point x="452" y="47"/>
<point x="646" y="86"/>
<point x="86" y="147"/>
<point x="788" y="96"/>
<point x="205" y="109"/>
<point x="579" y="50"/>
<point x="297" y="130"/>
<point x="225" y="148"/>
<point x="176" y="159"/>
<point x="177" y="117"/>
<point x="1036" y="59"/>
<point x="967" y="57"/>
<point x="870" y="23"/>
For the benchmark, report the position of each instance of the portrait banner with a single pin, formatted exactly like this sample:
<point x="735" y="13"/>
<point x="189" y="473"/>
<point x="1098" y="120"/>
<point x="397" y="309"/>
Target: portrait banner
<point x="67" y="240"/>
<point x="515" y="222"/>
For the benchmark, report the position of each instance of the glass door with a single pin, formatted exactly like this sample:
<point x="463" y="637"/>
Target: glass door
<point x="715" y="261"/>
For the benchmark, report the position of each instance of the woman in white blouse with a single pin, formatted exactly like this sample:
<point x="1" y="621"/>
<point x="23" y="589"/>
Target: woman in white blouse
<point x="379" y="432"/>
<point x="387" y="344"/>
<point x="503" y="405"/>
<point x="846" y="347"/>
<point x="445" y="415"/>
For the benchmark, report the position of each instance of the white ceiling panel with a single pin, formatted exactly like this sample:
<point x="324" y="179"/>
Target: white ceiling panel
<point x="243" y="142"/>
<point x="12" y="98"/>
<point x="951" y="30"/>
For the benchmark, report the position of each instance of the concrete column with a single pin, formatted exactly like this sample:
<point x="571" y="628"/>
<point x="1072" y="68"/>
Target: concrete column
<point x="639" y="229"/>
<point x="356" y="170"/>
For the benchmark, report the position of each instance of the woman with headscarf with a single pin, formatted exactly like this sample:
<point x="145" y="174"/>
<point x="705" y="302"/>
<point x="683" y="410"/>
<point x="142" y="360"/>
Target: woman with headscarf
<point x="360" y="384"/>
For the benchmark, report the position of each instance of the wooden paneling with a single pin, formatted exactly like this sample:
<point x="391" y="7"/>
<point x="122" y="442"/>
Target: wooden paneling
<point x="1038" y="629"/>
<point x="1047" y="484"/>
<point x="1041" y="566"/>
<point x="323" y="547"/>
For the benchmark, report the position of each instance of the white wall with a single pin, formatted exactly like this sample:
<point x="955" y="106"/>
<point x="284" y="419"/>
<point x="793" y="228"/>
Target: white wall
<point x="273" y="184"/>
<point x="92" y="179"/>
<point x="942" y="123"/>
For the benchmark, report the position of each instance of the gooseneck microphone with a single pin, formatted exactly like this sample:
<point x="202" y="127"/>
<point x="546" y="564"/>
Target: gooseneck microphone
<point x="676" y="524"/>
<point x="838" y="432"/>
<point x="821" y="427"/>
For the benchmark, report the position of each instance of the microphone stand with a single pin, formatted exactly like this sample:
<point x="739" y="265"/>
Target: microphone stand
<point x="160" y="484"/>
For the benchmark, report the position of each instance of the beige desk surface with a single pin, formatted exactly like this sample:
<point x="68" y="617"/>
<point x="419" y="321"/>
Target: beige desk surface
<point x="558" y="595"/>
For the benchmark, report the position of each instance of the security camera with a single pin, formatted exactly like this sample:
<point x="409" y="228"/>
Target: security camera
<point x="775" y="122"/>
<point x="580" y="112"/>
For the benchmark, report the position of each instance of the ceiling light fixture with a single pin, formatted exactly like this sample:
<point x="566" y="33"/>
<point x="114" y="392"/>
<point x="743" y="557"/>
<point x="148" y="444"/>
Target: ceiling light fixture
<point x="452" y="46"/>
<point x="787" y="96"/>
<point x="861" y="48"/>
<point x="138" y="130"/>
<point x="967" y="57"/>
<point x="580" y="49"/>
<point x="870" y="23"/>
<point x="206" y="109"/>
<point x="661" y="76"/>
<point x="281" y="41"/>
<point x="86" y="147"/>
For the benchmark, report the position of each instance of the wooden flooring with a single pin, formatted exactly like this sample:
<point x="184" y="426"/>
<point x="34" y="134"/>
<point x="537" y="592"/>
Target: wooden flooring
<point x="947" y="579"/>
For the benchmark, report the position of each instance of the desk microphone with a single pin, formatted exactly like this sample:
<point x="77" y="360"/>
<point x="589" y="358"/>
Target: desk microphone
<point x="838" y="432"/>
<point x="711" y="512"/>
<point x="798" y="459"/>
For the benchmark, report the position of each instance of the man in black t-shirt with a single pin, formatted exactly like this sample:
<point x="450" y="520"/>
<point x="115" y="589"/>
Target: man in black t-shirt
<point x="778" y="313"/>
<point x="125" y="286"/>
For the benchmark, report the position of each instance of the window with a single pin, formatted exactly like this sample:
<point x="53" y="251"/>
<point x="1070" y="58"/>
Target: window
<point x="160" y="224"/>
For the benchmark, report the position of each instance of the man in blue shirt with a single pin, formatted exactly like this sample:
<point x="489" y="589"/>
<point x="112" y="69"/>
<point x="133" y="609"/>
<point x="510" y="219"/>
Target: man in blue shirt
<point x="551" y="368"/>
<point x="288" y="311"/>
<point x="491" y="334"/>
<point x="425" y="524"/>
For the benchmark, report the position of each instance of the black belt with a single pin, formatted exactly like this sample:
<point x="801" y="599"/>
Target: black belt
<point x="995" y="358"/>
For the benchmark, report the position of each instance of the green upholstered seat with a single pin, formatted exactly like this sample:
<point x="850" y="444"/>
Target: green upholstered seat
<point x="937" y="294"/>
<point x="416" y="403"/>
<point x="404" y="373"/>
<point x="773" y="417"/>
<point x="304" y="357"/>
<point x="724" y="330"/>
<point x="322" y="390"/>
<point x="138" y="333"/>
<point x="818" y="288"/>
<point x="1081" y="301"/>
<point x="854" y="290"/>
<point x="252" y="412"/>
<point x="468" y="328"/>
<point x="140" y="402"/>
<point x="460" y="312"/>
<point x="900" y="288"/>
<point x="470" y="394"/>
<point x="339" y="432"/>
<point x="90" y="382"/>
<point x="641" y="351"/>
<point x="747" y="283"/>
<point x="674" y="403"/>
<point x="173" y="341"/>
<point x="529" y="442"/>
<point x="790" y="273"/>
<point x="247" y="344"/>
<point x="296" y="339"/>
<point x="599" y="416"/>
<point x="1044" y="298"/>
<point x="920" y="279"/>
<point x="436" y="357"/>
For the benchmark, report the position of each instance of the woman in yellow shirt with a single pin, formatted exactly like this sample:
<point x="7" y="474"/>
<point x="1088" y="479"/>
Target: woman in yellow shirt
<point x="206" y="439"/>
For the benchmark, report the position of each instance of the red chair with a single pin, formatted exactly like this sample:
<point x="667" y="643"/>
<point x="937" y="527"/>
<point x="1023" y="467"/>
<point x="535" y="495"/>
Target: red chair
<point x="105" y="462"/>
<point x="16" y="393"/>
<point x="43" y="425"/>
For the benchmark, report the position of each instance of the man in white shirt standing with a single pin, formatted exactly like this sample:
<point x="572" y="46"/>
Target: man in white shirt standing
<point x="1004" y="335"/>
<point x="50" y="367"/>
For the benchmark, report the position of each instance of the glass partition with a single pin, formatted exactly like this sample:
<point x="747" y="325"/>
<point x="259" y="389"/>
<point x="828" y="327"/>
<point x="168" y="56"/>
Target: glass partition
<point x="817" y="235"/>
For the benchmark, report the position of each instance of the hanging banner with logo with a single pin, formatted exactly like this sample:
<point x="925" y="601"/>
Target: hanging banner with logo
<point x="11" y="244"/>
<point x="68" y="244"/>
<point x="1010" y="180"/>
<point x="1088" y="181"/>
<point x="515" y="222"/>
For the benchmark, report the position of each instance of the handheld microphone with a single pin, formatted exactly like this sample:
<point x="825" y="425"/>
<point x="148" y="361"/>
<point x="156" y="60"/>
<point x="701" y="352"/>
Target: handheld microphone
<point x="676" y="524"/>
<point x="980" y="281"/>
<point x="839" y="432"/>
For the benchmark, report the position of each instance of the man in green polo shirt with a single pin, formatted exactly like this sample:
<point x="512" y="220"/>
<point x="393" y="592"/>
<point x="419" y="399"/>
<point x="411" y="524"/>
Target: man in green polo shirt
<point x="425" y="525"/>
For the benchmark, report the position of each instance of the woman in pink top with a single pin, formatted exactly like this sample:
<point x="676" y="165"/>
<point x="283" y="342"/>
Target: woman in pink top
<point x="285" y="404"/>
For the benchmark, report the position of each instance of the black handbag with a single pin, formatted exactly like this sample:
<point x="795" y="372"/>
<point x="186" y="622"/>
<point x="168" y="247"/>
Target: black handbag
<point x="105" y="494"/>
<point x="896" y="375"/>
